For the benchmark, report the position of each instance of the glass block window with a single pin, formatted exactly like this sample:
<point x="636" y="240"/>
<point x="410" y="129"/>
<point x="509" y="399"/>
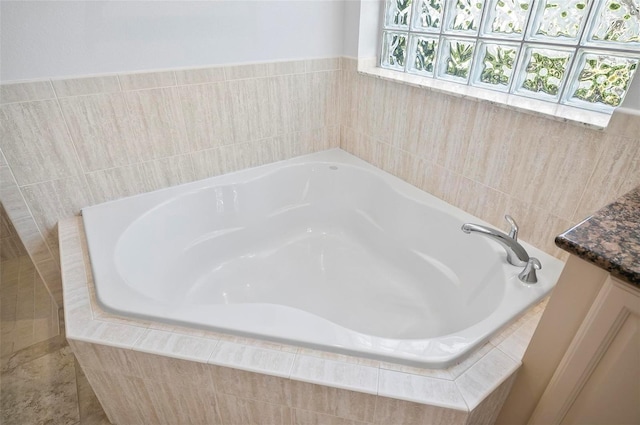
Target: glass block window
<point x="581" y="53"/>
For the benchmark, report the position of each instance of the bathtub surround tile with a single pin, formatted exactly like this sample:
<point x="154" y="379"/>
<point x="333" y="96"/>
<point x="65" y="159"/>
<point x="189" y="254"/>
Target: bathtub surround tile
<point x="439" y="181"/>
<point x="392" y="411"/>
<point x="309" y="352"/>
<point x="553" y="169"/>
<point x="251" y="110"/>
<point x="49" y="270"/>
<point x="305" y="417"/>
<point x="420" y="389"/>
<point x="86" y="85"/>
<point x="633" y="176"/>
<point x="209" y="163"/>
<point x="291" y="95"/>
<point x="147" y="80"/>
<point x="482" y="201"/>
<point x="261" y="360"/>
<point x="118" y="335"/>
<point x="116" y="183"/>
<point x="487" y="411"/>
<point x="256" y="386"/>
<point x="487" y="148"/>
<point x="333" y="401"/>
<point x="206" y="75"/>
<point x="26" y="227"/>
<point x="180" y="346"/>
<point x="89" y="408"/>
<point x="337" y="374"/>
<point x="102" y="130"/>
<point x="537" y="226"/>
<point x="324" y="89"/>
<point x="267" y="345"/>
<point x="56" y="198"/>
<point x="34" y="140"/>
<point x="158" y="124"/>
<point x="485" y="376"/>
<point x="328" y="64"/>
<point x="206" y="114"/>
<point x="516" y="344"/>
<point x="624" y="123"/>
<point x="238" y="410"/>
<point x="608" y="177"/>
<point x="27" y="91"/>
<point x="176" y="371"/>
<point x="407" y="132"/>
<point x="267" y="69"/>
<point x="125" y="399"/>
<point x="173" y="404"/>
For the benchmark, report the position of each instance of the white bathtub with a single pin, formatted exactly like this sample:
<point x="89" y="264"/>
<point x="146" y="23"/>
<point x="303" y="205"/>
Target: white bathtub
<point x="323" y="251"/>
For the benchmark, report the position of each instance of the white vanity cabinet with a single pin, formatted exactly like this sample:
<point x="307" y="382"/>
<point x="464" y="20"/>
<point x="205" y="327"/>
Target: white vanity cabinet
<point x="582" y="365"/>
<point x="598" y="378"/>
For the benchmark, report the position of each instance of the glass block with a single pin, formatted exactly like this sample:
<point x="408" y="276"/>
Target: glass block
<point x="600" y="80"/>
<point x="494" y="65"/>
<point x="397" y="14"/>
<point x="394" y="50"/>
<point x="542" y="72"/>
<point x="507" y="18"/>
<point x="465" y="16"/>
<point x="455" y="59"/>
<point x="428" y="15"/>
<point x="616" y="22"/>
<point x="423" y="51"/>
<point x="559" y="21"/>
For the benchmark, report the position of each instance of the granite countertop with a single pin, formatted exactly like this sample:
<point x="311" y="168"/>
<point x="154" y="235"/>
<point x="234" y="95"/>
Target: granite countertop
<point x="610" y="238"/>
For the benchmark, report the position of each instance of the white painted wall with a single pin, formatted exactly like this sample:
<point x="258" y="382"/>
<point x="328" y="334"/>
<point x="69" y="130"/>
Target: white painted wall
<point x="41" y="39"/>
<point x="44" y="39"/>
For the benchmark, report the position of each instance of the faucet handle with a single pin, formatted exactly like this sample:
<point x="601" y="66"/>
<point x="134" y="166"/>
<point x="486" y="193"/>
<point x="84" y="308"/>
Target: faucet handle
<point x="513" y="233"/>
<point x="528" y="275"/>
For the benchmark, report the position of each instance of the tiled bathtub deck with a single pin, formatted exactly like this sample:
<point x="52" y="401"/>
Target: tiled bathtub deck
<point x="148" y="372"/>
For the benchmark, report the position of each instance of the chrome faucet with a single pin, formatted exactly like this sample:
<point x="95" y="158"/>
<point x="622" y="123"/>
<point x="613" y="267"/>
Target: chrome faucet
<point x="516" y="254"/>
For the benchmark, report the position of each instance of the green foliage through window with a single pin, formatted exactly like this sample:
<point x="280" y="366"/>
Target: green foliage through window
<point x="577" y="52"/>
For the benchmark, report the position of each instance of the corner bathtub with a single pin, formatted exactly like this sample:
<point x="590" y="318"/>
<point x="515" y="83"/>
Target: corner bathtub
<point x="324" y="251"/>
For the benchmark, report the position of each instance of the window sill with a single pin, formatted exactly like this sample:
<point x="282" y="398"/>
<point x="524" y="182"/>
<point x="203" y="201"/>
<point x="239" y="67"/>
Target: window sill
<point x="591" y="119"/>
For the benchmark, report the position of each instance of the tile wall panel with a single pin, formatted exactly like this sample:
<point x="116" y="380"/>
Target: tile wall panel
<point x="56" y="198"/>
<point x="251" y="110"/>
<point x="206" y="115"/>
<point x="490" y="160"/>
<point x="147" y="80"/>
<point x="199" y="75"/>
<point x="25" y="92"/>
<point x="102" y="130"/>
<point x="158" y="124"/>
<point x="88" y="85"/>
<point x="35" y="142"/>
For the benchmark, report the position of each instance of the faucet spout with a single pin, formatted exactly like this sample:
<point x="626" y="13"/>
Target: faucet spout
<point x="516" y="254"/>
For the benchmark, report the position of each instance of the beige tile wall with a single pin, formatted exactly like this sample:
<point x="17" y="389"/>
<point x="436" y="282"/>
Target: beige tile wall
<point x="76" y="142"/>
<point x="489" y="160"/>
<point x="10" y="245"/>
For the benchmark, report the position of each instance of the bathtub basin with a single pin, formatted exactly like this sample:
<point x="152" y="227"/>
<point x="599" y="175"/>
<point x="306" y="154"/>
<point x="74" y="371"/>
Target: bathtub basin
<point x="324" y="251"/>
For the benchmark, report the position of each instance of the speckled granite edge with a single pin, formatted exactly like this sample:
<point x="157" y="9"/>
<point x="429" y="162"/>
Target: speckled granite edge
<point x="609" y="239"/>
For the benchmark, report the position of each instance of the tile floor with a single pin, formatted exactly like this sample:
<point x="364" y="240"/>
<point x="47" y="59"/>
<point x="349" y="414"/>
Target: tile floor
<point x="40" y="380"/>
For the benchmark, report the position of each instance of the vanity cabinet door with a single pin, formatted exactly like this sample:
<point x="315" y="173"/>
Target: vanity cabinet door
<point x="598" y="379"/>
